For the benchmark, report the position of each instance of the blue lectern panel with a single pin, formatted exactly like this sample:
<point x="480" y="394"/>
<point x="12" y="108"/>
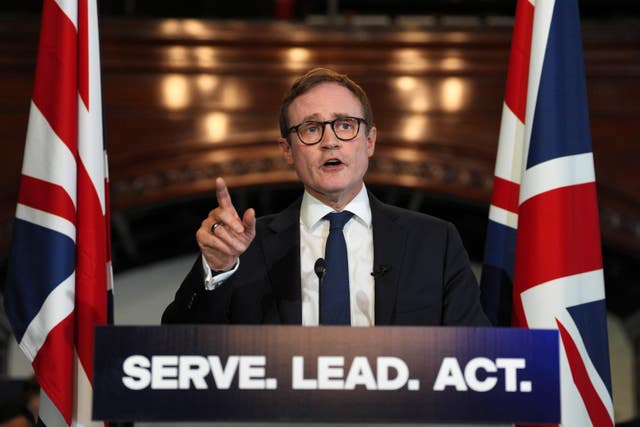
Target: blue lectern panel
<point x="288" y="373"/>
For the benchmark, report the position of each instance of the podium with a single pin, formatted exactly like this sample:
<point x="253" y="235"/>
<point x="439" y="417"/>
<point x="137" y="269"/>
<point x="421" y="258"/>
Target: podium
<point x="326" y="374"/>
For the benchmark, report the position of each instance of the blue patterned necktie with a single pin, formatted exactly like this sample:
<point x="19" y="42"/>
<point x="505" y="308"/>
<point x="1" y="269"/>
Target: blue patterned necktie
<point x="335" y="306"/>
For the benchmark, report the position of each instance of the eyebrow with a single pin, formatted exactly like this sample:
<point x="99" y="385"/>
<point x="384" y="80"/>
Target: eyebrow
<point x="316" y="117"/>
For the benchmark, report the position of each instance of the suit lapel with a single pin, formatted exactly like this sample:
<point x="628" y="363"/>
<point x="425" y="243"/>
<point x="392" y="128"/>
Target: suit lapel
<point x="282" y="255"/>
<point x="389" y="245"/>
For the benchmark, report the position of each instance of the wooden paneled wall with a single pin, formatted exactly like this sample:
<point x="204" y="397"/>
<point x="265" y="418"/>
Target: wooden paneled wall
<point x="188" y="100"/>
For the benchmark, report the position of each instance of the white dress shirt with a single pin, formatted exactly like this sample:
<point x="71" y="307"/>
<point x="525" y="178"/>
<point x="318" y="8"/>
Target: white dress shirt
<point x="358" y="234"/>
<point x="314" y="231"/>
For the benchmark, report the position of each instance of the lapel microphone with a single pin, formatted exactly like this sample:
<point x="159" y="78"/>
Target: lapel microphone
<point x="380" y="271"/>
<point x="320" y="267"/>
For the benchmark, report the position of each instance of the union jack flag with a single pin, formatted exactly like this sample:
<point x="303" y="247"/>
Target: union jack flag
<point x="59" y="279"/>
<point x="543" y="235"/>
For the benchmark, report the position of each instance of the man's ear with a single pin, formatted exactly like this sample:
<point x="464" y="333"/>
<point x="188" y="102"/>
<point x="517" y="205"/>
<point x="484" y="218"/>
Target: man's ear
<point x="286" y="149"/>
<point x="371" y="140"/>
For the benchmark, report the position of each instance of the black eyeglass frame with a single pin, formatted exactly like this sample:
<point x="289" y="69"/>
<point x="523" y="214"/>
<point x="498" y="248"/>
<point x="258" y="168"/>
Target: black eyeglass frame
<point x="323" y="125"/>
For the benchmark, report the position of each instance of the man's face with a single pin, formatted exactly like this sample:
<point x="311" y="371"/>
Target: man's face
<point x="332" y="170"/>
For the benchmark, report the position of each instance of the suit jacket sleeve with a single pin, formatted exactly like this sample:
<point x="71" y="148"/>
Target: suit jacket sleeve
<point x="188" y="304"/>
<point x="461" y="297"/>
<point x="244" y="298"/>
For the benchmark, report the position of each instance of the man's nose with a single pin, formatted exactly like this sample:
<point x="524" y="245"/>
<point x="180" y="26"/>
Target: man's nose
<point x="329" y="138"/>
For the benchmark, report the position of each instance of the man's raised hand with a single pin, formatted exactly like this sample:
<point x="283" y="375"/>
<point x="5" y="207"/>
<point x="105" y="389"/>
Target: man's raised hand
<point x="223" y="236"/>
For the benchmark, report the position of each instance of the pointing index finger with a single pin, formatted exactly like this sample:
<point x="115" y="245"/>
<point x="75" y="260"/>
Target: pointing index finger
<point x="222" y="194"/>
<point x="227" y="212"/>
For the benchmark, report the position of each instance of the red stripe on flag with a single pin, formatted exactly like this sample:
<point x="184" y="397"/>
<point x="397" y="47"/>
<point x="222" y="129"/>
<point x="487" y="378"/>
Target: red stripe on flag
<point x="595" y="407"/>
<point x="48" y="197"/>
<point x="83" y="52"/>
<point x="55" y="92"/>
<point x="558" y="236"/>
<point x="53" y="366"/>
<point x="91" y="276"/>
<point x="107" y="219"/>
<point x="518" y="318"/>
<point x="518" y="76"/>
<point x="505" y="194"/>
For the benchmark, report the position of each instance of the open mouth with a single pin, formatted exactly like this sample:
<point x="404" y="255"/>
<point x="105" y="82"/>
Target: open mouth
<point x="333" y="162"/>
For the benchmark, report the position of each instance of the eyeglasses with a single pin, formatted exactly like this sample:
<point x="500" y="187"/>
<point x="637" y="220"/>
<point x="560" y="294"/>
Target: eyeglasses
<point x="312" y="131"/>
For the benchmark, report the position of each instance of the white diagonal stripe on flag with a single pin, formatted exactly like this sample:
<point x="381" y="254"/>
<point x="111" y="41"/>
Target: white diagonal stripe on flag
<point x="56" y="307"/>
<point x="46" y="220"/>
<point x="558" y="294"/>
<point x="503" y="216"/>
<point x="557" y="173"/>
<point x="70" y="8"/>
<point x="509" y="158"/>
<point x="46" y="157"/>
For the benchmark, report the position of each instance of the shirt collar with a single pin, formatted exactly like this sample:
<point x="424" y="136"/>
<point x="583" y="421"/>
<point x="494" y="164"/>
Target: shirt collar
<point x="312" y="210"/>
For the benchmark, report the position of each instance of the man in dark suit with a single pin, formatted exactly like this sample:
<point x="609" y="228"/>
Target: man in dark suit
<point x="404" y="268"/>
